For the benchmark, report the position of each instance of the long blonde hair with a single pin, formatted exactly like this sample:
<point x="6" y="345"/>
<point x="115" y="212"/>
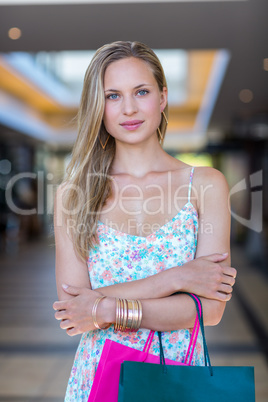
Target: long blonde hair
<point x="87" y="181"/>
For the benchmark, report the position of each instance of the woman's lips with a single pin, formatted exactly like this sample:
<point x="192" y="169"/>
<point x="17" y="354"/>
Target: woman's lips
<point x="132" y="124"/>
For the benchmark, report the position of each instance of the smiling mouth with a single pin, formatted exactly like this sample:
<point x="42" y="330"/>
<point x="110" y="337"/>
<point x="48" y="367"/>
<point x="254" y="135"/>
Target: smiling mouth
<point x="132" y="124"/>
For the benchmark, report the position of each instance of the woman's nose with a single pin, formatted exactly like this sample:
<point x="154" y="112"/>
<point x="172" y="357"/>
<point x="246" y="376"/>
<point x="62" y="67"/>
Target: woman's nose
<point x="129" y="105"/>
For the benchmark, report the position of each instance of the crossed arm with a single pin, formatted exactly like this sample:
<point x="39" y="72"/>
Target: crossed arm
<point x="209" y="275"/>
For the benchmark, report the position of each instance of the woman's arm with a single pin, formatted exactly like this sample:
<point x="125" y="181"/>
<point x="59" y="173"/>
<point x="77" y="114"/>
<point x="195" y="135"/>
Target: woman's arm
<point x="69" y="267"/>
<point x="204" y="276"/>
<point x="214" y="229"/>
<point x="165" y="314"/>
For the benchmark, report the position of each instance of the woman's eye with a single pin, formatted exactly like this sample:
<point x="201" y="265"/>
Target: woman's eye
<point x="143" y="92"/>
<point x="112" y="96"/>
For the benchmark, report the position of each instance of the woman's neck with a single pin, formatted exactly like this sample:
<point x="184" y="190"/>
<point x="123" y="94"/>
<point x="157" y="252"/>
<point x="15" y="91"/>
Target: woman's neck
<point x="138" y="160"/>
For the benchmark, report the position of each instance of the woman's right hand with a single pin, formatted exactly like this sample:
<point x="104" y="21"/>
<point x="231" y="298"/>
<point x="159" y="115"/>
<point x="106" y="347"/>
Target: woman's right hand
<point x="75" y="314"/>
<point x="208" y="277"/>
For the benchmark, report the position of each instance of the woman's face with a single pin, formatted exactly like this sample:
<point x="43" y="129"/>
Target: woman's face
<point x="133" y="101"/>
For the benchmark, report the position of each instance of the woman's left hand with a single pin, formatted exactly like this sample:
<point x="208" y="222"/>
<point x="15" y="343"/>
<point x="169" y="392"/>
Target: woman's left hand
<point x="76" y="314"/>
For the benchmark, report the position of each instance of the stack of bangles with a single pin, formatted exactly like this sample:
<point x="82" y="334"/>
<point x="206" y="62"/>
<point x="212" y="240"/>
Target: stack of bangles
<point x="128" y="315"/>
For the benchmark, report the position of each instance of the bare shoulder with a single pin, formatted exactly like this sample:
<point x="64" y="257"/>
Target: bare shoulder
<point x="61" y="189"/>
<point x="207" y="176"/>
<point x="211" y="190"/>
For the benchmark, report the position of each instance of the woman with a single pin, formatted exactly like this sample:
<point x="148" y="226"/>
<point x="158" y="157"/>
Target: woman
<point x="132" y="222"/>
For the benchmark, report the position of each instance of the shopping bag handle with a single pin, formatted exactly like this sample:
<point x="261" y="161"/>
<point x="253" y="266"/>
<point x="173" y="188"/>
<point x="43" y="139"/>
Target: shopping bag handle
<point x="192" y="343"/>
<point x="199" y="309"/>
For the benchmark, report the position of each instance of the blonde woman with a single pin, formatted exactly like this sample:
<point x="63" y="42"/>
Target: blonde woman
<point x="134" y="223"/>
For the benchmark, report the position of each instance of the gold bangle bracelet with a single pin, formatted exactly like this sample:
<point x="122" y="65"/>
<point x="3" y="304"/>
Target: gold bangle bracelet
<point x="117" y="318"/>
<point x="128" y="315"/>
<point x="136" y="315"/>
<point x="125" y="315"/>
<point x="116" y="315"/>
<point x="121" y="314"/>
<point x="94" y="313"/>
<point x="140" y="313"/>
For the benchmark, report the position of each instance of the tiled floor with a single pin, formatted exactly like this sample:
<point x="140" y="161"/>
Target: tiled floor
<point x="36" y="356"/>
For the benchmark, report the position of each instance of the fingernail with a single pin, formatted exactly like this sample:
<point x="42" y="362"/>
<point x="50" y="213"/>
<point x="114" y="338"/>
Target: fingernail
<point x="64" y="286"/>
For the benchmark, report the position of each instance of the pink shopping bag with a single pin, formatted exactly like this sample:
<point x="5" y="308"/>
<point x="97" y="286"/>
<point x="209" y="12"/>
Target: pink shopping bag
<point x="106" y="381"/>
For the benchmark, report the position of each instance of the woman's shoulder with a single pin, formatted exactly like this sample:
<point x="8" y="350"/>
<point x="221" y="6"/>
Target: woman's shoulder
<point x="208" y="174"/>
<point x="209" y="177"/>
<point x="62" y="187"/>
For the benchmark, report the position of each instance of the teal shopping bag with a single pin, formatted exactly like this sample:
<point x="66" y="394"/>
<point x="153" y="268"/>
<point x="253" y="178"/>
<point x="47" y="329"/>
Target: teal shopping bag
<point x="145" y="382"/>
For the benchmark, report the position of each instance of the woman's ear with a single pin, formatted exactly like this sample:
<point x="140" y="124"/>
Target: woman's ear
<point x="163" y="98"/>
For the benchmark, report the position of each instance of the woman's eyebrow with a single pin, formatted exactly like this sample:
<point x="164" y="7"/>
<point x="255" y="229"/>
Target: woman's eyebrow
<point x="138" y="86"/>
<point x="143" y="85"/>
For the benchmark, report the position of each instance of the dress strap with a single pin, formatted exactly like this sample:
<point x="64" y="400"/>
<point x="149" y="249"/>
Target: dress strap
<point x="190" y="184"/>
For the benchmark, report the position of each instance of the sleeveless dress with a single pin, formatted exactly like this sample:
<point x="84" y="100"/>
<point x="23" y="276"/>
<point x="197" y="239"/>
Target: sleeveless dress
<point x="122" y="257"/>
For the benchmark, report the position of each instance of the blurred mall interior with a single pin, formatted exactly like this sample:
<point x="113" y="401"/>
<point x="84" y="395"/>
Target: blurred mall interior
<point x="215" y="57"/>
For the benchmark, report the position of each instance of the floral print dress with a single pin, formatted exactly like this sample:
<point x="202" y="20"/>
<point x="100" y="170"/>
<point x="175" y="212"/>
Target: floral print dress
<point x="122" y="257"/>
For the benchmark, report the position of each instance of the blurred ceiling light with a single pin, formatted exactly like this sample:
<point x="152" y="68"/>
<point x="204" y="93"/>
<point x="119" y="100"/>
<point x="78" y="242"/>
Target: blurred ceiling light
<point x="246" y="95"/>
<point x="265" y="64"/>
<point x="14" y="33"/>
